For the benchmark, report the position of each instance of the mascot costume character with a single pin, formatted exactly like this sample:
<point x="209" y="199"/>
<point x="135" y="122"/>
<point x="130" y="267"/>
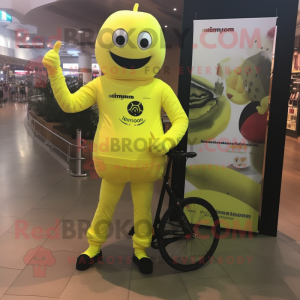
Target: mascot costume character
<point x="129" y="145"/>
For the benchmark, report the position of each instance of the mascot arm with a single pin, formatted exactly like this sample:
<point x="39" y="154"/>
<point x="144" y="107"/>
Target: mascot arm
<point x="179" y="120"/>
<point x="70" y="103"/>
<point x="177" y="116"/>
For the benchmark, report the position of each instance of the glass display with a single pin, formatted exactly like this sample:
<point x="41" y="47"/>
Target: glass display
<point x="292" y="118"/>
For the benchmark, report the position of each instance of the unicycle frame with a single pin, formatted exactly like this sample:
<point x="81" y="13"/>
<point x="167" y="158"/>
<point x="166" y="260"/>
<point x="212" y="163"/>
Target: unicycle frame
<point x="182" y="219"/>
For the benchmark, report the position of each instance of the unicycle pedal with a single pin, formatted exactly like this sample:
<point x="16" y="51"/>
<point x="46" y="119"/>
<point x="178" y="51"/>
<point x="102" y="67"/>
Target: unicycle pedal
<point x="131" y="231"/>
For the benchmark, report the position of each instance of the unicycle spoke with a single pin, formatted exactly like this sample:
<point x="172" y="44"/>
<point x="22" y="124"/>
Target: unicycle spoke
<point x="168" y="241"/>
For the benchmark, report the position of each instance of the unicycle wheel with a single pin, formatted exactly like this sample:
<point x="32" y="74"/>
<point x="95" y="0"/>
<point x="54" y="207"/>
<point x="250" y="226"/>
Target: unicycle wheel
<point x="188" y="252"/>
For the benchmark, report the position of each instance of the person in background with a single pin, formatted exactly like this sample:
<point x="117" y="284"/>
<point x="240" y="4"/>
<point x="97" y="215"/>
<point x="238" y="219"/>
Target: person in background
<point x="5" y="91"/>
<point x="1" y="95"/>
<point x="12" y="90"/>
<point x="17" y="91"/>
<point x="22" y="92"/>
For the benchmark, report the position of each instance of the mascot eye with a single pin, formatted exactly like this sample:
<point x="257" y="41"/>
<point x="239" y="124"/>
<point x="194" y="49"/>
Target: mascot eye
<point x="144" y="40"/>
<point x="120" y="38"/>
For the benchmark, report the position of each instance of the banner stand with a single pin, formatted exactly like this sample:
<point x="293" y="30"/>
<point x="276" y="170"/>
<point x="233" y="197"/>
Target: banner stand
<point x="286" y="11"/>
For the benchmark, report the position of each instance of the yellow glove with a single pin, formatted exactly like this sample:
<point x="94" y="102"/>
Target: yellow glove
<point x="51" y="59"/>
<point x="162" y="145"/>
<point x="84" y="98"/>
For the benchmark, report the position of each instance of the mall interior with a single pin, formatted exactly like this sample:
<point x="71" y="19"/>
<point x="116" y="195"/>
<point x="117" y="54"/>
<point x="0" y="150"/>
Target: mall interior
<point x="49" y="182"/>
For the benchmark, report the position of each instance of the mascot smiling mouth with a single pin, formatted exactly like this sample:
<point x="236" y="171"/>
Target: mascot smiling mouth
<point x="129" y="63"/>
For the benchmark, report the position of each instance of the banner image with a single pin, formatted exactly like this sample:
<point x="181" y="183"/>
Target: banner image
<point x="228" y="112"/>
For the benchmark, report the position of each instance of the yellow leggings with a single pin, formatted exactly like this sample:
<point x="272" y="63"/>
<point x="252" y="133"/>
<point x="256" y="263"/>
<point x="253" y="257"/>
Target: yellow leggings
<point x="114" y="179"/>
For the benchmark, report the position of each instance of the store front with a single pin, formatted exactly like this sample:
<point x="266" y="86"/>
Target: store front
<point x="292" y="126"/>
<point x="289" y="222"/>
<point x="71" y="70"/>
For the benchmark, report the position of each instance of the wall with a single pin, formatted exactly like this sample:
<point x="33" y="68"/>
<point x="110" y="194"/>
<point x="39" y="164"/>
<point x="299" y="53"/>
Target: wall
<point x="8" y="48"/>
<point x="7" y="38"/>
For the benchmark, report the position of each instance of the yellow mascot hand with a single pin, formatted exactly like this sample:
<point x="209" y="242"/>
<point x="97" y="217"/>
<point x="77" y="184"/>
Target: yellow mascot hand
<point x="161" y="146"/>
<point x="51" y="59"/>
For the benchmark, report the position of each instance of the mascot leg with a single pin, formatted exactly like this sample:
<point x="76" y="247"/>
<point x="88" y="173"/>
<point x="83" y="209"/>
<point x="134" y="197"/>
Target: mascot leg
<point x="142" y="183"/>
<point x="113" y="183"/>
<point x="142" y="198"/>
<point x="110" y="194"/>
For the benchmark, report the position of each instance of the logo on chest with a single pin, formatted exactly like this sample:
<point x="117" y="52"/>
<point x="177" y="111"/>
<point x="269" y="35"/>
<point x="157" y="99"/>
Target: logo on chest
<point x="135" y="109"/>
<point x="120" y="96"/>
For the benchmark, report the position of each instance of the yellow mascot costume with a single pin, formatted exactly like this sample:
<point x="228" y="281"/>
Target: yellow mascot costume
<point x="130" y="50"/>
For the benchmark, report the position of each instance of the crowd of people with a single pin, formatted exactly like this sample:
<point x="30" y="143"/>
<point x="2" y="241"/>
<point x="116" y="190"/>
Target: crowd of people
<point x="12" y="92"/>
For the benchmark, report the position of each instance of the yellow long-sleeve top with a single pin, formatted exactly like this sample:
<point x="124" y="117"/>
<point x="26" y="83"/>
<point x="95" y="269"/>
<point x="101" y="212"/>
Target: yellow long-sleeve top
<point x="128" y="111"/>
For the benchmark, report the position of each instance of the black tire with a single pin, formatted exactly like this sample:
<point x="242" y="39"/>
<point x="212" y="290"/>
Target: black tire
<point x="162" y="235"/>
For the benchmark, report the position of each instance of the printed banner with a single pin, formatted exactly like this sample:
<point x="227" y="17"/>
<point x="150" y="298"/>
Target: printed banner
<point x="228" y="112"/>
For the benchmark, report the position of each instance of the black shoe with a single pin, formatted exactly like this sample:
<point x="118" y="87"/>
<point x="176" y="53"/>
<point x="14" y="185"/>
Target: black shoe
<point x="84" y="261"/>
<point x="144" y="264"/>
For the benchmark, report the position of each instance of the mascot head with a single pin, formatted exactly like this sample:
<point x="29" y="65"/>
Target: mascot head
<point x="130" y="45"/>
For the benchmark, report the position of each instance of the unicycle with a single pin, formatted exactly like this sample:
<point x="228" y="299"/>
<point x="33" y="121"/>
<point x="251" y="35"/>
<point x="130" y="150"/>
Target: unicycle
<point x="188" y="233"/>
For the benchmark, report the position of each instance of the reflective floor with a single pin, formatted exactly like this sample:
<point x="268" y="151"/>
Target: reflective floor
<point x="42" y="206"/>
<point x="289" y="221"/>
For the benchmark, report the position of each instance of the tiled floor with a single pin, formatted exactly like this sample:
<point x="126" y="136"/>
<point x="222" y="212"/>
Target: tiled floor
<point x="44" y="209"/>
<point x="289" y="221"/>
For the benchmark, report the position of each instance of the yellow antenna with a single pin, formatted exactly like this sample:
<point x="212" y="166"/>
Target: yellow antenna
<point x="136" y="7"/>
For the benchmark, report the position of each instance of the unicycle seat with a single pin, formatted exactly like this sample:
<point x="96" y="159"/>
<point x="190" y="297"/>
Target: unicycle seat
<point x="181" y="154"/>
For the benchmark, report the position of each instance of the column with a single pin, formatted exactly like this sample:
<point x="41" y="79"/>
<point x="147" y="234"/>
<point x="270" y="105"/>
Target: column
<point x="84" y="67"/>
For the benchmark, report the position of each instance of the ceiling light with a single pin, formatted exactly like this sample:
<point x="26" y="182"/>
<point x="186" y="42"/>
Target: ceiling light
<point x="166" y="26"/>
<point x="174" y="8"/>
<point x="27" y="38"/>
<point x="80" y="31"/>
<point x="19" y="34"/>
